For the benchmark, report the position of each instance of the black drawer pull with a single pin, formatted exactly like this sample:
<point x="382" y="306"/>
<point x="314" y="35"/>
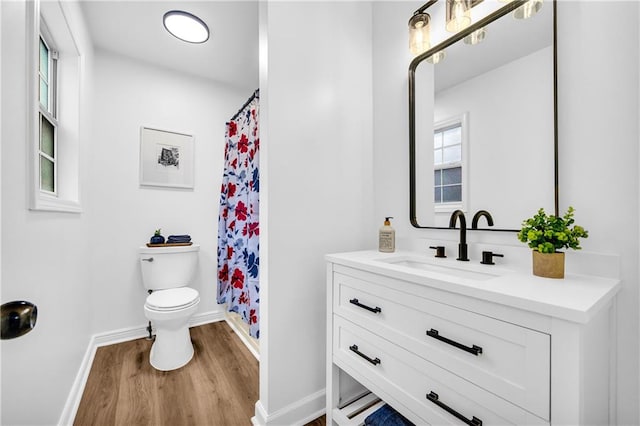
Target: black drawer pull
<point x="472" y="350"/>
<point x="433" y="397"/>
<point x="375" y="310"/>
<point x="374" y="361"/>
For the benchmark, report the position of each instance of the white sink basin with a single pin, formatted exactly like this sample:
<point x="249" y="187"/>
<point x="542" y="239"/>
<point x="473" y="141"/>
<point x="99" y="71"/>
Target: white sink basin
<point x="466" y="271"/>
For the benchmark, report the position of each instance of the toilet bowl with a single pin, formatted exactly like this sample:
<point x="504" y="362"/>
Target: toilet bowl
<point x="166" y="271"/>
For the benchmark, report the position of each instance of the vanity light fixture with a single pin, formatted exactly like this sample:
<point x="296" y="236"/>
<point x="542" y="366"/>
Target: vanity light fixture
<point x="528" y="9"/>
<point x="476" y="37"/>
<point x="186" y="26"/>
<point x="419" y="33"/>
<point x="437" y="57"/>
<point x="458" y="15"/>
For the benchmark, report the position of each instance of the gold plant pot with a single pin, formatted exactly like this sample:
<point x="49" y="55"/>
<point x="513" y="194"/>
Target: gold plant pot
<point x="548" y="265"/>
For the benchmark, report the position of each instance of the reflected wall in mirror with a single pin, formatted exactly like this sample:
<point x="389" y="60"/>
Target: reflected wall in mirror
<point x="482" y="124"/>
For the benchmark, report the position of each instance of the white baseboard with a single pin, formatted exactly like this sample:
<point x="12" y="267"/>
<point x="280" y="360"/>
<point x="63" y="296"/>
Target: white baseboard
<point x="206" y="318"/>
<point x="109" y="338"/>
<point x="299" y="413"/>
<point x="75" y="395"/>
<point x="243" y="334"/>
<point x="260" y="417"/>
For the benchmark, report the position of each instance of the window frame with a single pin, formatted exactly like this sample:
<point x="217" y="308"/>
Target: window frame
<point x="50" y="19"/>
<point x="461" y="120"/>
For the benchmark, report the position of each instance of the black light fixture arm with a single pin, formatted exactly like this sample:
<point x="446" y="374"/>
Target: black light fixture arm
<point x="430" y="3"/>
<point x="425" y="6"/>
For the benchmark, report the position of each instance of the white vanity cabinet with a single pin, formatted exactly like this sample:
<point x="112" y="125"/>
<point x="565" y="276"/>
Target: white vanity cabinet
<point x="440" y="349"/>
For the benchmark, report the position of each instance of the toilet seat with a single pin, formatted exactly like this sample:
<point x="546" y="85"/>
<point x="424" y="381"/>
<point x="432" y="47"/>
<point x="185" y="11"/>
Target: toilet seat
<point x="172" y="299"/>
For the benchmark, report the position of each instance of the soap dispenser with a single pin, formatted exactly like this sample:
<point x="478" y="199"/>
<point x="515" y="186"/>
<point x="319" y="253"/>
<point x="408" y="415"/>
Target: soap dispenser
<point x="387" y="237"/>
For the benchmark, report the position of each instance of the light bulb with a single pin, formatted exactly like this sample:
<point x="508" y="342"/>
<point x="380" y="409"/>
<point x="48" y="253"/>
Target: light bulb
<point x="458" y="15"/>
<point x="437" y="57"/>
<point x="476" y="37"/>
<point x="419" y="37"/>
<point x="528" y="9"/>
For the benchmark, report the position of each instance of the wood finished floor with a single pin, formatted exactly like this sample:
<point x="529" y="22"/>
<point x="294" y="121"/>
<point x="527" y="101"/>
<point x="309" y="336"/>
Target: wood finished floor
<point x="219" y="387"/>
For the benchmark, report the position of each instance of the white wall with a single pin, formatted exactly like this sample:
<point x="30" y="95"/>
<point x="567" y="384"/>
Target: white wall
<point x="598" y="132"/>
<point x="391" y="58"/>
<point x="45" y="256"/>
<point x="124" y="215"/>
<point x="598" y="120"/>
<point x="317" y="191"/>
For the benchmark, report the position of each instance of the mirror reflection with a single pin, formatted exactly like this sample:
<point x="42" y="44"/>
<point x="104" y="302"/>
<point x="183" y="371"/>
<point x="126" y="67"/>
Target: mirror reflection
<point x="484" y="125"/>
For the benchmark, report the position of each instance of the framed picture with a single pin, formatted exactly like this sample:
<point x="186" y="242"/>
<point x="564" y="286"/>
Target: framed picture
<point x="166" y="158"/>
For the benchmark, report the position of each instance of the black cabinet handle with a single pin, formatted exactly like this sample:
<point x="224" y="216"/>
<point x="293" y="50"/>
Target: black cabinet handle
<point x="375" y="310"/>
<point x="433" y="397"/>
<point x="472" y="350"/>
<point x="374" y="361"/>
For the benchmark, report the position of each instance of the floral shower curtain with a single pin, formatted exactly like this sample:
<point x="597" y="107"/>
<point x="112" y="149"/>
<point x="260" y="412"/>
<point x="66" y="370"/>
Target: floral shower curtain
<point x="238" y="224"/>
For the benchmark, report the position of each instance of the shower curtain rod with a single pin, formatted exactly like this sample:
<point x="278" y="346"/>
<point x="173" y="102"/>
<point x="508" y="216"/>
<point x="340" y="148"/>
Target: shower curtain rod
<point x="256" y="94"/>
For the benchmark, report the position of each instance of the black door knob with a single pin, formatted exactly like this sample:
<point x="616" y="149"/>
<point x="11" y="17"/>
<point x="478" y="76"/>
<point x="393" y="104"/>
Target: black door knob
<point x="17" y="318"/>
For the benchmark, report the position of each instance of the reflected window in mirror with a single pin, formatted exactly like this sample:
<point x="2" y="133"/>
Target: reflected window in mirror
<point x="450" y="148"/>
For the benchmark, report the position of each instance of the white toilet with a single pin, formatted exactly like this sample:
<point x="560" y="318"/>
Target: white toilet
<point x="167" y="271"/>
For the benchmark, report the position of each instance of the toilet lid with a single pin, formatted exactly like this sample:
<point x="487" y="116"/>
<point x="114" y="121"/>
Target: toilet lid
<point x="172" y="299"/>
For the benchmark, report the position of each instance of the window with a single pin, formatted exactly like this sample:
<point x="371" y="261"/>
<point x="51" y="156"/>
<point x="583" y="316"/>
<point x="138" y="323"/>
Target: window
<point x="449" y="156"/>
<point x="447" y="163"/>
<point x="54" y="100"/>
<point x="48" y="124"/>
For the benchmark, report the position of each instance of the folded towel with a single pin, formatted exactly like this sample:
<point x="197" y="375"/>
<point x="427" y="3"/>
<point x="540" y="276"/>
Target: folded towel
<point x="178" y="239"/>
<point x="386" y="416"/>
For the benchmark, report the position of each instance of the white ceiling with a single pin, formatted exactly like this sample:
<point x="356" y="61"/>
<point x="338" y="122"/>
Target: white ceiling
<point x="134" y="29"/>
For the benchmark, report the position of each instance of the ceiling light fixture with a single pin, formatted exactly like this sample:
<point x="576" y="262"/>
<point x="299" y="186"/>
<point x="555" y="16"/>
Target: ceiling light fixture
<point x="186" y="26"/>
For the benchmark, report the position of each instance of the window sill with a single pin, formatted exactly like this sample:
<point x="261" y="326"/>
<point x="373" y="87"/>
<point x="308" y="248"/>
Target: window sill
<point x="52" y="204"/>
<point x="447" y="208"/>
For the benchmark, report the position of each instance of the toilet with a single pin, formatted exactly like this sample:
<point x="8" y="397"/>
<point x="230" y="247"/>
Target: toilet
<point x="167" y="271"/>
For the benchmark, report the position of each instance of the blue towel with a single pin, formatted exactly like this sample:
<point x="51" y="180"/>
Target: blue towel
<point x="386" y="416"/>
<point x="179" y="239"/>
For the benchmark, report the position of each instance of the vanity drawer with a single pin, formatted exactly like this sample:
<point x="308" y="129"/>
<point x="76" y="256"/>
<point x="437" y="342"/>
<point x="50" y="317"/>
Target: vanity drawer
<point x="510" y="361"/>
<point x="404" y="376"/>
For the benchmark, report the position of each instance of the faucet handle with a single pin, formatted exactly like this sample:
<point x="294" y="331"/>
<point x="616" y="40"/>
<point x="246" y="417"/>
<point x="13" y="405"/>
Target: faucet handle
<point x="439" y="250"/>
<point x="487" y="257"/>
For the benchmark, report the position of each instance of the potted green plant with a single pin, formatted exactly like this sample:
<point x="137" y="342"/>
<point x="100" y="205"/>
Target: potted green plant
<point x="546" y="235"/>
<point x="157" y="237"/>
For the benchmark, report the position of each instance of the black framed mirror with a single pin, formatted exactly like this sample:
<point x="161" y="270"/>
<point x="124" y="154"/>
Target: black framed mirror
<point x="483" y="131"/>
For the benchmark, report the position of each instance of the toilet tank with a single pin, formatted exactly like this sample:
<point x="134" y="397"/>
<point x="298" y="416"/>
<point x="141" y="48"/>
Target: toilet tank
<point x="168" y="267"/>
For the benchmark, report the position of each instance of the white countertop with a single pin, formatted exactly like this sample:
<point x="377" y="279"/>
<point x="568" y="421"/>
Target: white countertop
<point x="575" y="298"/>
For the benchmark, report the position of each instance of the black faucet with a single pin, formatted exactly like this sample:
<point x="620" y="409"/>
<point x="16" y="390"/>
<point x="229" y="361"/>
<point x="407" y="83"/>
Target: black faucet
<point x="476" y="217"/>
<point x="462" y="246"/>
